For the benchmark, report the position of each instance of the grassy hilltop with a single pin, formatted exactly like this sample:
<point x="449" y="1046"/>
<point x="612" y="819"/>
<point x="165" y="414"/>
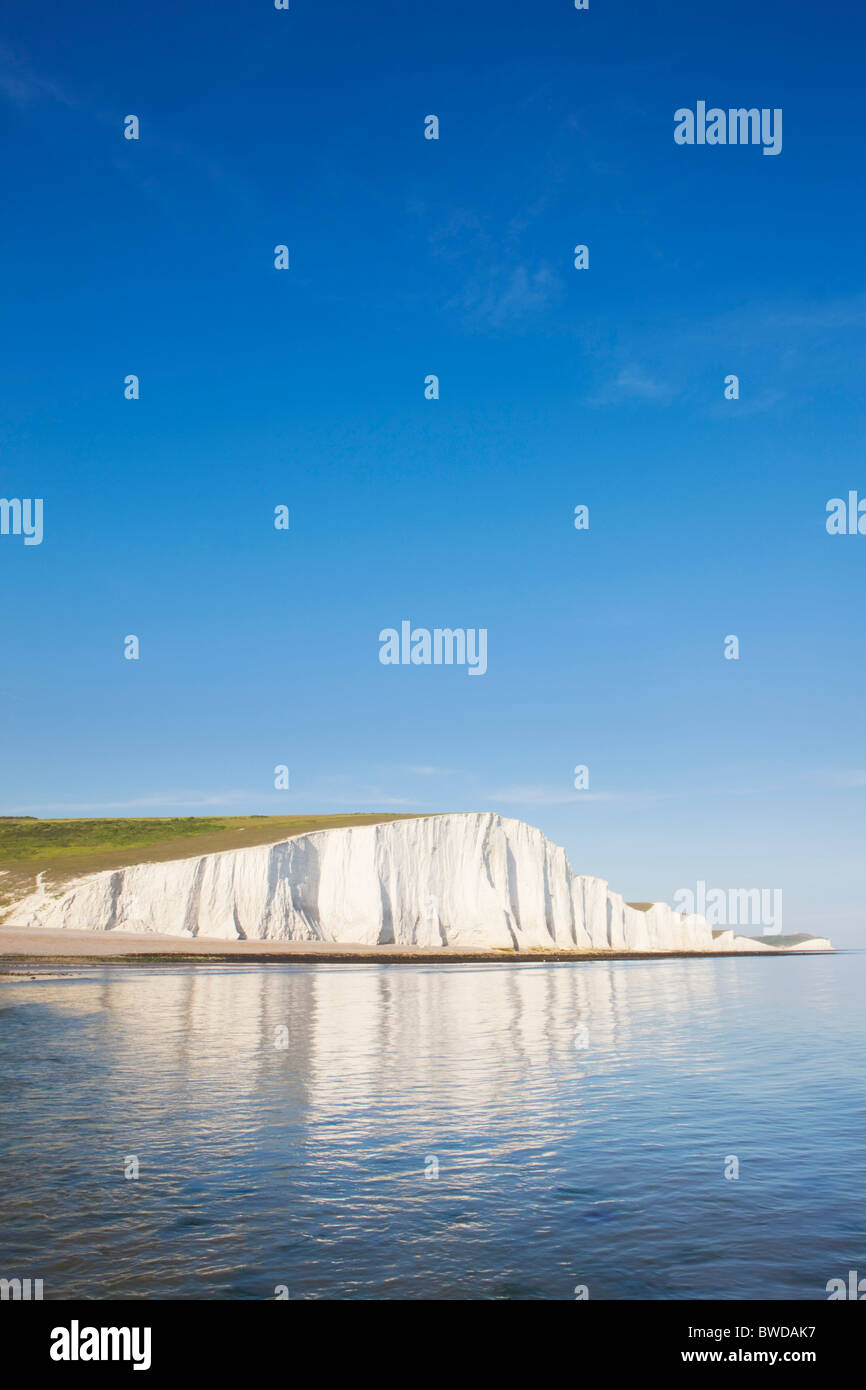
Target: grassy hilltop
<point x="65" y="849"/>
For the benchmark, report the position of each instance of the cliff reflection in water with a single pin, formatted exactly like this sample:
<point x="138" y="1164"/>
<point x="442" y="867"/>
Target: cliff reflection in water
<point x="424" y="1131"/>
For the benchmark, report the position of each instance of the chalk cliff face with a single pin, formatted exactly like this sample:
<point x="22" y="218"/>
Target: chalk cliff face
<point x="469" y="881"/>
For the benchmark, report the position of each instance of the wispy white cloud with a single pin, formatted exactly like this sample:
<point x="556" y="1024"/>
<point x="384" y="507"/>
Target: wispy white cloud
<point x="503" y="284"/>
<point x="855" y="777"/>
<point x="847" y="311"/>
<point x="23" y="87"/>
<point x="507" y="296"/>
<point x="426" y="771"/>
<point x="779" y="349"/>
<point x="632" y="382"/>
<point x="173" y="800"/>
<point x="538" y="795"/>
<point x="376" y="802"/>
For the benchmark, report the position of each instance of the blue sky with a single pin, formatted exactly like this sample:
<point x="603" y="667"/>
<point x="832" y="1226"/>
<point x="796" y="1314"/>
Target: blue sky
<point x="558" y="387"/>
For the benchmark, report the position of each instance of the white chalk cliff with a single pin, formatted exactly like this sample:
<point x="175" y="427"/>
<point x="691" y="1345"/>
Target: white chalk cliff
<point x="471" y="881"/>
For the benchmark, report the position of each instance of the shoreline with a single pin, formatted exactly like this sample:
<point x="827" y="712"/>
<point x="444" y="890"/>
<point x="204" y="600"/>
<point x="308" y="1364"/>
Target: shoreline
<point x="22" y="946"/>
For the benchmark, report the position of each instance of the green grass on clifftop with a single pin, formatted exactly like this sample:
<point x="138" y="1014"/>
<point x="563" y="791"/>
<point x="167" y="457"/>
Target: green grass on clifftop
<point x="65" y="849"/>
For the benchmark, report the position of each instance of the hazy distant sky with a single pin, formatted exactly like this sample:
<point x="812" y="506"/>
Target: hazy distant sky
<point x="558" y="387"/>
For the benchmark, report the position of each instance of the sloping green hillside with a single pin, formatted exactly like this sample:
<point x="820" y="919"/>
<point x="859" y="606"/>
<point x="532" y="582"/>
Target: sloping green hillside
<point x="65" y="849"/>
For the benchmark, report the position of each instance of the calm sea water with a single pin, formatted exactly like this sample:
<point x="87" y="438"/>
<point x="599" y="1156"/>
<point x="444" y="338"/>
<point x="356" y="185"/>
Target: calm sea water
<point x="580" y="1118"/>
